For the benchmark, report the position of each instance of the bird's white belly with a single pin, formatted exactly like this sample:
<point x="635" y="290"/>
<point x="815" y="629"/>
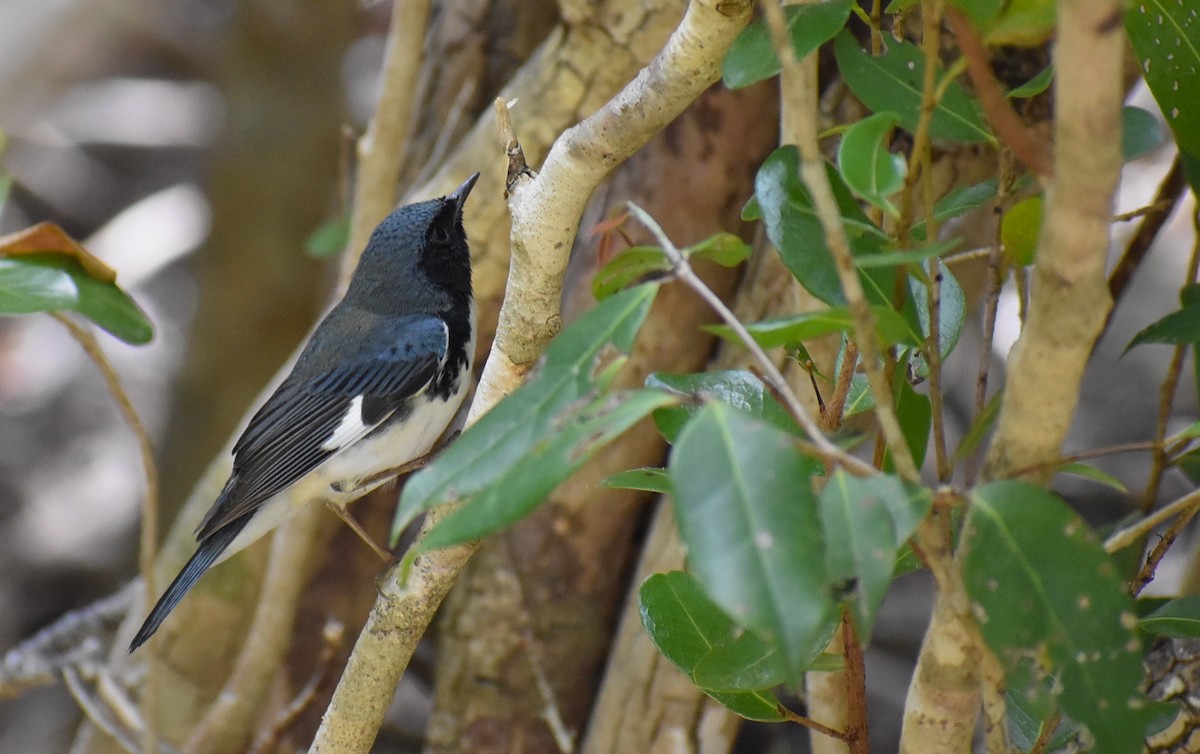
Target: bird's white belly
<point x="392" y="446"/>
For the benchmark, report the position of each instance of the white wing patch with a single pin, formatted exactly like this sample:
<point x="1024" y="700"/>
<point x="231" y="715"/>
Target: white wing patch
<point x="351" y="429"/>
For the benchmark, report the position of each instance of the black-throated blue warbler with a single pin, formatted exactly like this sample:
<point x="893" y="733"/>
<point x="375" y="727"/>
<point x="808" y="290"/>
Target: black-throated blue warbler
<point x="376" y="385"/>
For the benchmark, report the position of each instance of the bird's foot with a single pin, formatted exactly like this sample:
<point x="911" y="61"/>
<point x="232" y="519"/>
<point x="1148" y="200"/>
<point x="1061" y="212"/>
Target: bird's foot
<point x="384" y="554"/>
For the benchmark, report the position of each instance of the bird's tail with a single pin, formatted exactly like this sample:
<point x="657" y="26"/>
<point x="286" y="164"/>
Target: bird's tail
<point x="208" y="551"/>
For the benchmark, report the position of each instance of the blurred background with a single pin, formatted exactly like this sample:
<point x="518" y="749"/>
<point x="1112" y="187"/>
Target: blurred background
<point x="197" y="146"/>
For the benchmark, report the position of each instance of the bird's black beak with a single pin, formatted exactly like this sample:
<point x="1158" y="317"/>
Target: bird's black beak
<point x="459" y="195"/>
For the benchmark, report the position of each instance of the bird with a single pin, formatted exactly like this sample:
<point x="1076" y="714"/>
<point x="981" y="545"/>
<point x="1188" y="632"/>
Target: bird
<point x="378" y="382"/>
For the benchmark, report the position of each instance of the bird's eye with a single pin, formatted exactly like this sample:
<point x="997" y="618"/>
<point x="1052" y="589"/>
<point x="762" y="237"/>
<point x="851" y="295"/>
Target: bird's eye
<point x="438" y="234"/>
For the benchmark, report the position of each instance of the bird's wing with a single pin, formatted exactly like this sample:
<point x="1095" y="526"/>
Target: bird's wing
<point x="308" y="419"/>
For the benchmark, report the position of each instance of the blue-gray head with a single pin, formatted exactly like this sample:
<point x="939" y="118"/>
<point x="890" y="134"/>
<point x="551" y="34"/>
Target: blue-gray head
<point x="417" y="258"/>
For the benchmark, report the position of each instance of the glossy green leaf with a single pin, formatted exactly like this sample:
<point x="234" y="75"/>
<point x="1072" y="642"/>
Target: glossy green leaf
<point x="725" y="249"/>
<point x="958" y="202"/>
<point x="490" y="448"/>
<point x="1166" y="42"/>
<point x="865" y="521"/>
<point x="645" y="479"/>
<point x="1044" y="589"/>
<point x="27" y="287"/>
<point x="952" y="309"/>
<point x="793" y="227"/>
<point x="892" y="82"/>
<point x="329" y="239"/>
<point x="685" y="625"/>
<point x="897" y="258"/>
<point x="1095" y="474"/>
<point x="1019" y="230"/>
<point x="1025" y="23"/>
<point x="1141" y="132"/>
<point x="575" y="439"/>
<point x="981" y="12"/>
<point x="754" y="539"/>
<point x="736" y="387"/>
<point x="1035" y="85"/>
<point x="630" y="265"/>
<point x="752" y="57"/>
<point x="748" y="662"/>
<point x="1179" y="618"/>
<point x="104" y="303"/>
<point x="915" y="414"/>
<point x="890" y="325"/>
<point x="867" y="165"/>
<point x="1177" y="328"/>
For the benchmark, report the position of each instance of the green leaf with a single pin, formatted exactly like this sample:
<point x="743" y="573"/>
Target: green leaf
<point x="958" y="202"/>
<point x="724" y="249"/>
<point x="102" y="302"/>
<point x="748" y="662"/>
<point x="1024" y="728"/>
<point x="329" y="238"/>
<point x="27" y="287"/>
<point x="1025" y="23"/>
<point x="490" y="448"/>
<point x="981" y="12"/>
<point x="915" y="414"/>
<point x="865" y="522"/>
<point x="1179" y="619"/>
<point x="1141" y="132"/>
<point x="896" y="257"/>
<point x="685" y="625"/>
<point x="891" y="327"/>
<point x="575" y="438"/>
<point x="752" y="58"/>
<point x="866" y="164"/>
<point x="792" y="224"/>
<point x="1034" y="86"/>
<point x="1096" y="475"/>
<point x="893" y="81"/>
<point x="952" y="310"/>
<point x="979" y="428"/>
<point x="1177" y="328"/>
<point x="1044" y="590"/>
<point x="630" y="265"/>
<point x="737" y="388"/>
<point x="1166" y="42"/>
<point x="1019" y="230"/>
<point x="754" y="538"/>
<point x="645" y="479"/>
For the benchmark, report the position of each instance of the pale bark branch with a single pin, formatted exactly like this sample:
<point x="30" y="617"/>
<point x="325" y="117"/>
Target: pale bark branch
<point x="381" y="149"/>
<point x="546" y="211"/>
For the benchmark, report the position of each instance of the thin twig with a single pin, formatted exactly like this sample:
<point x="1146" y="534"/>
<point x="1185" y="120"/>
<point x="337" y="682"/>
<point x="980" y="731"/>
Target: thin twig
<point x="1166" y="394"/>
<point x="1130" y="534"/>
<point x="812" y="172"/>
<point x="1046" y="732"/>
<point x="833" y="413"/>
<point x="148" y="542"/>
<point x="821" y="445"/>
<point x="857" y="731"/>
<point x="332" y="638"/>
<point x="96" y="713"/>
<point x="1165" y="199"/>
<point x="1033" y="152"/>
<point x="811" y="724"/>
<point x="1146" y="575"/>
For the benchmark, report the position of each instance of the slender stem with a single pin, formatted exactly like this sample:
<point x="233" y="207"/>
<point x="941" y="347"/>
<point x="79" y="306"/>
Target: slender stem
<point x="834" y="411"/>
<point x="1160" y="550"/>
<point x="1166" y="394"/>
<point x="821" y="445"/>
<point x="857" y="737"/>
<point x="812" y="172"/>
<point x="1046" y="732"/>
<point x="811" y="724"/>
<point x="1168" y="195"/>
<point x="148" y="542"/>
<point x="931" y="39"/>
<point x="1130" y="534"/>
